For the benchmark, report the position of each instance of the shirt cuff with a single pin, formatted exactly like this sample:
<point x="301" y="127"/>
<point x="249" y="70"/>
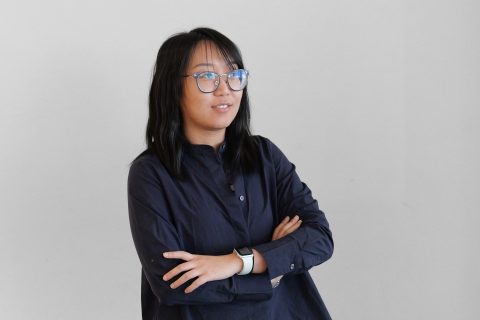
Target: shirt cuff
<point x="252" y="287"/>
<point x="281" y="256"/>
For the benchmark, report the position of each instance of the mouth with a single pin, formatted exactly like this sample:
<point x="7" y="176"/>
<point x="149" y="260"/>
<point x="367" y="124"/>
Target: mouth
<point x="223" y="106"/>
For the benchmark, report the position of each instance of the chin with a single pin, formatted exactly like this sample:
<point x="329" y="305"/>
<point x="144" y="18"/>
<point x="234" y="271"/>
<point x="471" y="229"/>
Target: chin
<point x="222" y="125"/>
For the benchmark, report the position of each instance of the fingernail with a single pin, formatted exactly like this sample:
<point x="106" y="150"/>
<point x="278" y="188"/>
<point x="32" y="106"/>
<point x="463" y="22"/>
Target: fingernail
<point x="165" y="254"/>
<point x="172" y="286"/>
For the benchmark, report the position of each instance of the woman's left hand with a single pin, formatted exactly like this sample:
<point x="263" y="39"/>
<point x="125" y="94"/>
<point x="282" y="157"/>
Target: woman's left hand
<point x="203" y="268"/>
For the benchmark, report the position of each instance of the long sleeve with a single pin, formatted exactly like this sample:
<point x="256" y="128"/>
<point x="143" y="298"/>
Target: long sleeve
<point x="154" y="231"/>
<point x="312" y="243"/>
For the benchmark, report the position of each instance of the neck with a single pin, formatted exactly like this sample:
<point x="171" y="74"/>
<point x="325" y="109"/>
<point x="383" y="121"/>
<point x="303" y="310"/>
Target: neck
<point x="211" y="138"/>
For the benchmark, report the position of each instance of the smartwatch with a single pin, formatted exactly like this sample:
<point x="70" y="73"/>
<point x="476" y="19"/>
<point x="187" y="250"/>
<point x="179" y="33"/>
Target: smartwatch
<point x="246" y="254"/>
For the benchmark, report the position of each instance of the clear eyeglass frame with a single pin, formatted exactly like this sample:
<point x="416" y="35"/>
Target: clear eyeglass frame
<point x="216" y="78"/>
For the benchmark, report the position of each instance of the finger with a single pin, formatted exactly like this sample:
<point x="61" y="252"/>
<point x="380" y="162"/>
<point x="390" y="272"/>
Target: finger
<point x="178" y="269"/>
<point x="195" y="284"/>
<point x="290" y="223"/>
<point x="279" y="227"/>
<point x="184" y="278"/>
<point x="289" y="228"/>
<point x="294" y="227"/>
<point x="178" y="255"/>
<point x="285" y="220"/>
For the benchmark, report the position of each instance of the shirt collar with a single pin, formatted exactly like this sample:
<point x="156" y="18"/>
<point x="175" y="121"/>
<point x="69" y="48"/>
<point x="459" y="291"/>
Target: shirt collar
<point x="203" y="148"/>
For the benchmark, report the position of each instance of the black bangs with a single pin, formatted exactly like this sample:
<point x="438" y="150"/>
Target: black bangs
<point x="225" y="46"/>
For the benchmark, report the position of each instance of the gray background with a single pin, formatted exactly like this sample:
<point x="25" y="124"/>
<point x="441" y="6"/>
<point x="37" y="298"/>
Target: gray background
<point x="376" y="102"/>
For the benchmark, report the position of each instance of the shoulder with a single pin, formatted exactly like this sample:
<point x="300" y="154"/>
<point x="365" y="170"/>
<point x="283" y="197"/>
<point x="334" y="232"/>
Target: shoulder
<point x="272" y="157"/>
<point x="143" y="160"/>
<point x="146" y="166"/>
<point x="269" y="150"/>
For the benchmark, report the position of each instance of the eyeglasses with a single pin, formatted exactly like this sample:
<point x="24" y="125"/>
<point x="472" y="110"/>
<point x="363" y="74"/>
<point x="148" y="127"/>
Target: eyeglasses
<point x="209" y="81"/>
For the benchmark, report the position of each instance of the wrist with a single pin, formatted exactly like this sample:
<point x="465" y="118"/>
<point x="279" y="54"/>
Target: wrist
<point x="260" y="265"/>
<point x="237" y="262"/>
<point x="248" y="260"/>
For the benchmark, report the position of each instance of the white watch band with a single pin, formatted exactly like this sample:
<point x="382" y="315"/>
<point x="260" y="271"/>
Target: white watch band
<point x="247" y="263"/>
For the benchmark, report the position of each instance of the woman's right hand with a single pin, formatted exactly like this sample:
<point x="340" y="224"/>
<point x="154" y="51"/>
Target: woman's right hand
<point x="286" y="227"/>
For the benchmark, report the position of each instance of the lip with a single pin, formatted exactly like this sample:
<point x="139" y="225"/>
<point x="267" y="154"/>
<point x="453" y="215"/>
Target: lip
<point x="222" y="109"/>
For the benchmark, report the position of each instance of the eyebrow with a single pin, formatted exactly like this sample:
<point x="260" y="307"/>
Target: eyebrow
<point x="206" y="64"/>
<point x="203" y="65"/>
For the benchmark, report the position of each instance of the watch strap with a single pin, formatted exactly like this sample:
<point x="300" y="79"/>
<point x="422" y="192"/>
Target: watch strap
<point x="247" y="259"/>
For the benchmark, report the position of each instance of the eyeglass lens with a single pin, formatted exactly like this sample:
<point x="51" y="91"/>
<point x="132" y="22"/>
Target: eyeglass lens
<point x="209" y="81"/>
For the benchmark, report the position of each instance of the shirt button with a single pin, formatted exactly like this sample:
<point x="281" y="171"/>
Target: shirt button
<point x="242" y="198"/>
<point x="292" y="266"/>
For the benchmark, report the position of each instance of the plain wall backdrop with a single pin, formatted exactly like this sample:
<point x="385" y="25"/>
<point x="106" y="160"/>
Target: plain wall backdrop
<point x="377" y="103"/>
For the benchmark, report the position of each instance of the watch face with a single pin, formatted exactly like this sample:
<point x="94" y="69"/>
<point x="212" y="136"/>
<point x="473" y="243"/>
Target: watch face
<point x="244" y="251"/>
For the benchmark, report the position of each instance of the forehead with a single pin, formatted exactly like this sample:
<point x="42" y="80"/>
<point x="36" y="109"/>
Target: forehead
<point x="207" y="54"/>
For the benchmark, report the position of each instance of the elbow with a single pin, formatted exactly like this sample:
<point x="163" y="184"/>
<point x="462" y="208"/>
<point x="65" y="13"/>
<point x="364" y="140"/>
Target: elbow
<point x="201" y="296"/>
<point x="330" y="247"/>
<point x="154" y="286"/>
<point x="325" y="246"/>
<point x="172" y="297"/>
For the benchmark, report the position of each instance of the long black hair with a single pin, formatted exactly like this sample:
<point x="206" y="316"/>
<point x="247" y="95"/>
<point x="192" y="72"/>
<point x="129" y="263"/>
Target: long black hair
<point x="164" y="134"/>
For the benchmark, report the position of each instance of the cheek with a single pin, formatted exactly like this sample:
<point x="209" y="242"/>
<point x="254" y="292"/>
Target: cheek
<point x="190" y="95"/>
<point x="238" y="96"/>
<point x="190" y="98"/>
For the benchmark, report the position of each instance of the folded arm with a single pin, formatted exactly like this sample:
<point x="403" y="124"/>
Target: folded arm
<point x="154" y="233"/>
<point x="312" y="243"/>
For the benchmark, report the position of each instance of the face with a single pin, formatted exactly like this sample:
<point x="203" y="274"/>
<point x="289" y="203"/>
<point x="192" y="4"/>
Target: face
<point x="208" y="113"/>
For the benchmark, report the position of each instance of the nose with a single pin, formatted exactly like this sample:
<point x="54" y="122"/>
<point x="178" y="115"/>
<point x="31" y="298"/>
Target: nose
<point x="223" y="88"/>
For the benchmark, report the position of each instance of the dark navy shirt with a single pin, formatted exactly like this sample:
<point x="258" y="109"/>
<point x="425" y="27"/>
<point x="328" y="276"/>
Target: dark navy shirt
<point x="211" y="213"/>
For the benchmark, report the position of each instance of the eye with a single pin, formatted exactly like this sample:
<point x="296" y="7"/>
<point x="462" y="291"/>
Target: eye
<point x="239" y="73"/>
<point x="207" y="75"/>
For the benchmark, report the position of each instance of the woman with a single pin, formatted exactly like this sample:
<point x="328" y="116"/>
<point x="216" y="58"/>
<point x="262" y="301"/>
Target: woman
<point x="223" y="226"/>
